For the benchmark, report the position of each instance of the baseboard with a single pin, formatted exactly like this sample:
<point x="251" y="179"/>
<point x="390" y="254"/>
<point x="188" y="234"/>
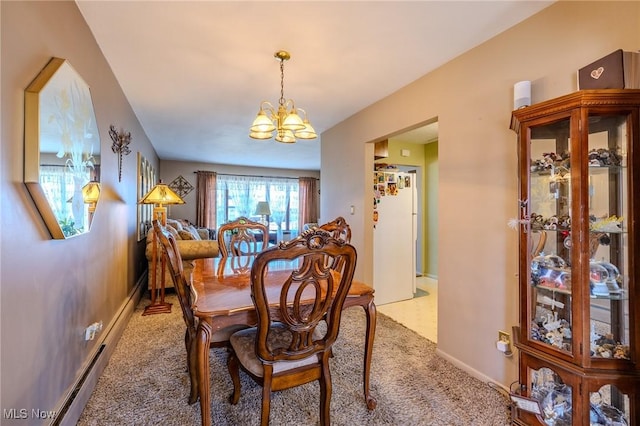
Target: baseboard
<point x="499" y="387"/>
<point x="471" y="371"/>
<point x="74" y="403"/>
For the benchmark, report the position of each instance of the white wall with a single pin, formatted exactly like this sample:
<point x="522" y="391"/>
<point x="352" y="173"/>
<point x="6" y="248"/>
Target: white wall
<point x="472" y="97"/>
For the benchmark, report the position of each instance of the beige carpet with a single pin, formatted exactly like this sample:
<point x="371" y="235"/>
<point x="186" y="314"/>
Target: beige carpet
<point x="146" y="382"/>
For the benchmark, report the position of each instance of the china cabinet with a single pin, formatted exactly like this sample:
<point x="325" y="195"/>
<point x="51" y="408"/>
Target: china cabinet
<point x="578" y="337"/>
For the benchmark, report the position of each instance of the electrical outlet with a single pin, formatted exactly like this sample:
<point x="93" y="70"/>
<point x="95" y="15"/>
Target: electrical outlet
<point x="90" y="332"/>
<point x="504" y="343"/>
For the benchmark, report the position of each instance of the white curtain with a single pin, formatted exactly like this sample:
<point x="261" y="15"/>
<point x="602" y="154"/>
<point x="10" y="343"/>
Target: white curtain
<point x="279" y="197"/>
<point x="246" y="191"/>
<point x="63" y="190"/>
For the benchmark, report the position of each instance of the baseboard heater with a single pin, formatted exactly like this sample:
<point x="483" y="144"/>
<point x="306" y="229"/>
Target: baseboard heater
<point x="74" y="403"/>
<point x="92" y="373"/>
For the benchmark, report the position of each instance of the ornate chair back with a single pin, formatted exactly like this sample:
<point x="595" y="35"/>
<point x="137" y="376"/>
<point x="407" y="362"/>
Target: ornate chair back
<point x="341" y="231"/>
<point x="242" y="237"/>
<point x="294" y="291"/>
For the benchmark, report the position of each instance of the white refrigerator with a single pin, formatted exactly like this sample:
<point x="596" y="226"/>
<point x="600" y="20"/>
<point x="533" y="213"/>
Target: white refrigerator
<point x="394" y="236"/>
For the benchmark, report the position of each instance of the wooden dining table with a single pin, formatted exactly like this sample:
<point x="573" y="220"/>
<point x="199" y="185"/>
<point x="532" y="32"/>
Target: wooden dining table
<point x="222" y="290"/>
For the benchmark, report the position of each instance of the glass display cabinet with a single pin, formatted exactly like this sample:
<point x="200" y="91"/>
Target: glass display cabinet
<point x="579" y="194"/>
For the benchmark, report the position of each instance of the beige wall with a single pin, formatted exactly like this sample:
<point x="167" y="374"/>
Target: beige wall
<point x="472" y="97"/>
<point x="170" y="170"/>
<point x="52" y="289"/>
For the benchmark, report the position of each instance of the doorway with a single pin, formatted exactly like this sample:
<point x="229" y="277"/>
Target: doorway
<point x="417" y="149"/>
<point x="420" y="313"/>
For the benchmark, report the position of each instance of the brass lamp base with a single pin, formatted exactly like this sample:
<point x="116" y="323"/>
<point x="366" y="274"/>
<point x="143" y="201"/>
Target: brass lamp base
<point x="157" y="308"/>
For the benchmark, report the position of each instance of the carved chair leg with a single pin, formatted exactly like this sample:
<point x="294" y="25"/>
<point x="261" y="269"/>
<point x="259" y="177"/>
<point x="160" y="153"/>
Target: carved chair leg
<point x="370" y="310"/>
<point x="325" y="394"/>
<point x="266" y="401"/>
<point x="234" y="371"/>
<point x="192" y="359"/>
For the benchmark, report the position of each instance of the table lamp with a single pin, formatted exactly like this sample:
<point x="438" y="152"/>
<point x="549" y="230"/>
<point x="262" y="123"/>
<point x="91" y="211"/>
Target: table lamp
<point x="90" y="195"/>
<point x="262" y="209"/>
<point x="160" y="195"/>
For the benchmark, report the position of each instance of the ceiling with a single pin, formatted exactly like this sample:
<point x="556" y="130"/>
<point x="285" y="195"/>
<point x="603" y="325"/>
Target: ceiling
<point x="195" y="72"/>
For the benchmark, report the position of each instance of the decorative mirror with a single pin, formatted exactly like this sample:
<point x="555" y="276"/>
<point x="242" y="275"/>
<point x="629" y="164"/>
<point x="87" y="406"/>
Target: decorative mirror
<point x="62" y="149"/>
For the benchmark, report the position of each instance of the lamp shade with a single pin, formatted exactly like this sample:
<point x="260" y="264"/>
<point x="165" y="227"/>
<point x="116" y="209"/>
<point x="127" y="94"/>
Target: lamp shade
<point x="308" y="132"/>
<point x="262" y="123"/>
<point x="91" y="192"/>
<point x="161" y="194"/>
<point x="292" y="121"/>
<point x="263" y="209"/>
<point x="285" y="136"/>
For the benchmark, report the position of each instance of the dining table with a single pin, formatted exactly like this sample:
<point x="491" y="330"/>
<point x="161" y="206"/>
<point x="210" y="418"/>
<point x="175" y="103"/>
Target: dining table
<point x="222" y="297"/>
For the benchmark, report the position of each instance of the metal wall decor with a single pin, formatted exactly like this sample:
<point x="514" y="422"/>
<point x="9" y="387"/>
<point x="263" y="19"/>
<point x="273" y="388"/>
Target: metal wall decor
<point x="181" y="186"/>
<point x="121" y="141"/>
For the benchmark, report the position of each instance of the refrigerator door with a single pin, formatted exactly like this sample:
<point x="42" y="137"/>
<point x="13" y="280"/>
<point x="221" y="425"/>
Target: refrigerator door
<point x="394" y="272"/>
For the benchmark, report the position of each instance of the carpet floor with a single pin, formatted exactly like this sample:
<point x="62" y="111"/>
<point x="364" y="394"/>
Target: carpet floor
<point x="146" y="382"/>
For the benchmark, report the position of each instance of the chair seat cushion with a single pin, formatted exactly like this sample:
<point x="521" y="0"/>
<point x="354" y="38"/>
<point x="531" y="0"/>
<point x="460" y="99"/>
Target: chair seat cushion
<point x="243" y="343"/>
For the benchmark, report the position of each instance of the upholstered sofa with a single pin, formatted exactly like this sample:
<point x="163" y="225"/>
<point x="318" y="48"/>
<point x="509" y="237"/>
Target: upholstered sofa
<point x="193" y="243"/>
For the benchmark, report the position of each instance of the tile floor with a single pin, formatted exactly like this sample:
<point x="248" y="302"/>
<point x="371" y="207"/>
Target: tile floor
<point x="420" y="314"/>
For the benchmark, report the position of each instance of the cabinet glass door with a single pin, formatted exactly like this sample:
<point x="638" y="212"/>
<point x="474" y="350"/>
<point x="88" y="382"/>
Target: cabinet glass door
<point x="609" y="406"/>
<point x="554" y="396"/>
<point x="549" y="201"/>
<point x="608" y="237"/>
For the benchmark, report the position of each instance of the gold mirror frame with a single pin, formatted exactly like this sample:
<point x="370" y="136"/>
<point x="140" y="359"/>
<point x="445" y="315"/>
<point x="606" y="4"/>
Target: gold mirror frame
<point x="62" y="149"/>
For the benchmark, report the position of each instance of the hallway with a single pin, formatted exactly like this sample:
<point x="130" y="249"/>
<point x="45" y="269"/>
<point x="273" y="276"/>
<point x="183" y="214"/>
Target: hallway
<point x="419" y="314"/>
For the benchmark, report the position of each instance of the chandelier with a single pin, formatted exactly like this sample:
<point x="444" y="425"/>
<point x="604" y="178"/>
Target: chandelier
<point x="285" y="120"/>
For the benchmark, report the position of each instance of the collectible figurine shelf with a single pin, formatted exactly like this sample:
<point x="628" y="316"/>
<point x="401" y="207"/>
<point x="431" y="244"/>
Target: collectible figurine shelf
<point x="579" y="225"/>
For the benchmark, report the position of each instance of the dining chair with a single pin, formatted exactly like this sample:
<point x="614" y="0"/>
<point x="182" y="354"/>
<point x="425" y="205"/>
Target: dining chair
<point x="287" y="348"/>
<point x="242" y="237"/>
<point x="186" y="294"/>
<point x="340" y="230"/>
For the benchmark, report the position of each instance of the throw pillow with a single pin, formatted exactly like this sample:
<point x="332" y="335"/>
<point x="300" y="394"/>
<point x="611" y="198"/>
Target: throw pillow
<point x="174" y="232"/>
<point x="172" y="223"/>
<point x="194" y="232"/>
<point x="186" y="235"/>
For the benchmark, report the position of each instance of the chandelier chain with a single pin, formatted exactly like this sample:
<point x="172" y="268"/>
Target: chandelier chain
<point x="282" y="101"/>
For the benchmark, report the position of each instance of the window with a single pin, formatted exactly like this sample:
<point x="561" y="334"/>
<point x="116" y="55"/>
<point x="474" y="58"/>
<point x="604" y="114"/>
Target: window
<point x="62" y="185"/>
<point x="239" y="195"/>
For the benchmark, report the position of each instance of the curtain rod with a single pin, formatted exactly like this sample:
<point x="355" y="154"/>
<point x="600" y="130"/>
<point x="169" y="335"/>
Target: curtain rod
<point x="258" y="176"/>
